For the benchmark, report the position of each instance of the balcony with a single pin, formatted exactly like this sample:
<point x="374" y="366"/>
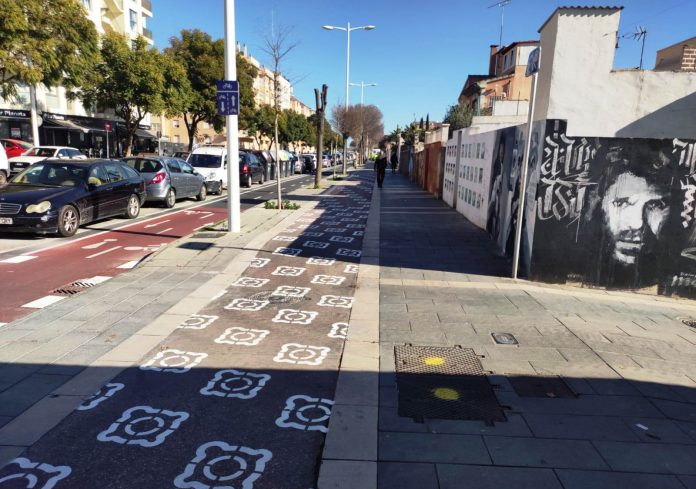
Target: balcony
<point x="147" y="33"/>
<point x="147" y="7"/>
<point x="116" y="5"/>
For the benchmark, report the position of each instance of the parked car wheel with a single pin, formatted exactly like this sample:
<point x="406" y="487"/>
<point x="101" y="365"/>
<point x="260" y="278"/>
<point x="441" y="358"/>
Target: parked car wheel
<point x="3" y="177"/>
<point x="248" y="181"/>
<point x="68" y="221"/>
<point x="219" y="192"/>
<point x="133" y="208"/>
<point x="170" y="199"/>
<point x="202" y="193"/>
<point x="262" y="179"/>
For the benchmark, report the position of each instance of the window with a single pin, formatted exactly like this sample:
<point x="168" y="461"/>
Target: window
<point x="483" y="150"/>
<point x="480" y="175"/>
<point x="174" y="166"/>
<point x="175" y="122"/>
<point x="114" y="172"/>
<point x="97" y="176"/>
<point x="134" y="21"/>
<point x="177" y="139"/>
<point x="128" y="172"/>
<point x="143" y="165"/>
<point x="186" y="168"/>
<point x="87" y="4"/>
<point x="207" y="140"/>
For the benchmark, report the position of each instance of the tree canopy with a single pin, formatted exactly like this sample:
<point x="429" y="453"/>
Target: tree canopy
<point x="51" y="42"/>
<point x="458" y="116"/>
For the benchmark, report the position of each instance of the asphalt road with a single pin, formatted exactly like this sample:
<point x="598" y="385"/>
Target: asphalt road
<point x="35" y="271"/>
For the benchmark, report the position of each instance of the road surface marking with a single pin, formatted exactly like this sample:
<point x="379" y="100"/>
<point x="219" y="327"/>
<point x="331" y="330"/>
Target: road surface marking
<point x="43" y="302"/>
<point x="164" y="231"/>
<point x="18" y="259"/>
<point x="99" y="279"/>
<point x="157" y="223"/>
<point x="104" y="252"/>
<point x="2" y="324"/>
<point x="94" y="246"/>
<point x="129" y="265"/>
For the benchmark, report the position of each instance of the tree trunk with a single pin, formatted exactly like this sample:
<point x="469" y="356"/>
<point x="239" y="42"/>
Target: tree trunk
<point x="130" y="131"/>
<point x="278" y="163"/>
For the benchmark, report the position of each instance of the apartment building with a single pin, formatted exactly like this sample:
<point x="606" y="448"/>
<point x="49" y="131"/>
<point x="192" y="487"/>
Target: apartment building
<point x="68" y="122"/>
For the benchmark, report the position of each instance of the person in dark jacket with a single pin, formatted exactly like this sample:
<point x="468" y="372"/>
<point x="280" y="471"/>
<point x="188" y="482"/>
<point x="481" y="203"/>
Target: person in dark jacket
<point x="381" y="169"/>
<point x="394" y="161"/>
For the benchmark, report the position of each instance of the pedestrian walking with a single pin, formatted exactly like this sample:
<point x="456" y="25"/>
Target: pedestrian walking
<point x="394" y="161"/>
<point x="381" y="169"/>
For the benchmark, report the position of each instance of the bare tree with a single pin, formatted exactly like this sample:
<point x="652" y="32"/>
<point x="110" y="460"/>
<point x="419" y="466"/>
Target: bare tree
<point x="277" y="44"/>
<point x="363" y="123"/>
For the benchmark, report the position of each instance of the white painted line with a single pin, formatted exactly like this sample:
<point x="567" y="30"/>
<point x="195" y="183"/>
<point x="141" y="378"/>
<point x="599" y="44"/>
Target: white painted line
<point x="164" y="231"/>
<point x="2" y="324"/>
<point x="129" y="265"/>
<point x="18" y="259"/>
<point x="44" y="302"/>
<point x="157" y="223"/>
<point x="98" y="279"/>
<point x="104" y="252"/>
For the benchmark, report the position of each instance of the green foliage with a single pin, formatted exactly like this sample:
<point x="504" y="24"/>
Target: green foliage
<point x="458" y="116"/>
<point x="286" y="205"/>
<point x="45" y="41"/>
<point x="134" y="80"/>
<point x="297" y="128"/>
<point x="246" y="72"/>
<point x="264" y="121"/>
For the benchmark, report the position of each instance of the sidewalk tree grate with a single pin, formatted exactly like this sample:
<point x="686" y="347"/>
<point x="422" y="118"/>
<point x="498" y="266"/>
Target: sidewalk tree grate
<point x="553" y="387"/>
<point x="272" y="298"/>
<point x="195" y="245"/>
<point x="444" y="383"/>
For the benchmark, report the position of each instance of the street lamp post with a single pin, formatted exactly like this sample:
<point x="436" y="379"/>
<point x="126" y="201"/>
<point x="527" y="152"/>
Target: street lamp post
<point x="347" y="30"/>
<point x="362" y="86"/>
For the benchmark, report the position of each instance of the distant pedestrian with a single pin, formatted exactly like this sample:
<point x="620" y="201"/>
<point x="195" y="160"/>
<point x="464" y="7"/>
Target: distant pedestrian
<point x="394" y="161"/>
<point x="381" y="169"/>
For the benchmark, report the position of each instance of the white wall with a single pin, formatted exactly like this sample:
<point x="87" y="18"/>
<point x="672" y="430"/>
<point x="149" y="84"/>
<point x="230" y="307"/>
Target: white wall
<point x="577" y="83"/>
<point x="474" y="175"/>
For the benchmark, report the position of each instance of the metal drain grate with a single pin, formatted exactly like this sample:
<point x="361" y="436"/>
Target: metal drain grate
<point x="444" y="383"/>
<point x="542" y="386"/>
<point x="78" y="286"/>
<point x="268" y="295"/>
<point x="689" y="322"/>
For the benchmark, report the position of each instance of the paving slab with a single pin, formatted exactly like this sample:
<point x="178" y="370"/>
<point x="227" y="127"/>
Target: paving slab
<point x="583" y="479"/>
<point x="477" y="477"/>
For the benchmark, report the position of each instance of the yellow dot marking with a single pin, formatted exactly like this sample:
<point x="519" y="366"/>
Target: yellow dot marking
<point x="433" y="361"/>
<point x="446" y="394"/>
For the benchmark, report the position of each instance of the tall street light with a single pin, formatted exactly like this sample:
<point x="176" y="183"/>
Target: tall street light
<point x="348" y="29"/>
<point x="362" y="86"/>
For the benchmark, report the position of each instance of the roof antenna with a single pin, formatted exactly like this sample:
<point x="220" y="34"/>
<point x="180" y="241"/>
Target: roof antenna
<point x="639" y="35"/>
<point x="502" y="4"/>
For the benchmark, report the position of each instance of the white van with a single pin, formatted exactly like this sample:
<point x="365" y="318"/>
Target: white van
<point x="211" y="162"/>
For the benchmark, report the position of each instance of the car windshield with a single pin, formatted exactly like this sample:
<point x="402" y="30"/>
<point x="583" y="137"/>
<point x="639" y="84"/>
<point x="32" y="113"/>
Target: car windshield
<point x="143" y="165"/>
<point x="53" y="174"/>
<point x="38" y="151"/>
<point x="200" y="160"/>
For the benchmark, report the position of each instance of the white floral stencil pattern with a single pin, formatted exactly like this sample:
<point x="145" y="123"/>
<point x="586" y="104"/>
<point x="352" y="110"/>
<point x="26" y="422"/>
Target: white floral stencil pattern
<point x="259" y="262"/>
<point x="349" y="253"/>
<point x="295" y="316"/>
<point x="302" y="354"/>
<point x="335" y="301"/>
<point x="243" y="304"/>
<point x="105" y="392"/>
<point x="198" y="321"/>
<point x="306" y="413"/>
<point x="250" y="282"/>
<point x="335" y="230"/>
<point x="34" y="475"/>
<point x="355" y="226"/>
<point x="174" y="361"/>
<point x="287" y="251"/>
<point x="351" y="269"/>
<point x="328" y="280"/>
<point x="237" y="467"/>
<point x="311" y="234"/>
<point x="284" y="238"/>
<point x="317" y="260"/>
<point x="235" y="383"/>
<point x="242" y="336"/>
<point x="341" y="239"/>
<point x="316" y="244"/>
<point x="284" y="271"/>
<point x="339" y="331"/>
<point x="291" y="291"/>
<point x="143" y="425"/>
<point x="358" y="233"/>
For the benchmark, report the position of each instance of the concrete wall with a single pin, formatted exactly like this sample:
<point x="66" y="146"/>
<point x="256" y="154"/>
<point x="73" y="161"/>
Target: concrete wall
<point x="577" y="58"/>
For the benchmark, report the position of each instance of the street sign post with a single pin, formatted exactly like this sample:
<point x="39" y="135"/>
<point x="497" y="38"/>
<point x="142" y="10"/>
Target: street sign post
<point x="228" y="97"/>
<point x="107" y="126"/>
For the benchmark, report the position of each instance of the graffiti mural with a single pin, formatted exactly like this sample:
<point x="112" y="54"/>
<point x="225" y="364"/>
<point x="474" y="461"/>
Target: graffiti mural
<point x="616" y="213"/>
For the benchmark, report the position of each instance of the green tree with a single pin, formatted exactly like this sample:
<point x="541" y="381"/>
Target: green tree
<point x="458" y="116"/>
<point x="296" y="128"/>
<point x="134" y="80"/>
<point x="50" y="42"/>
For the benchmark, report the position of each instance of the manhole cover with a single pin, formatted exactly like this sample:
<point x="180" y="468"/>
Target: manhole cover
<point x="444" y="383"/>
<point x="195" y="245"/>
<point x="541" y="386"/>
<point x="504" y="339"/>
<point x="270" y="296"/>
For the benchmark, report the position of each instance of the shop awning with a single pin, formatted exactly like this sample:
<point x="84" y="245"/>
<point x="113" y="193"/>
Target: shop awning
<point x="96" y="127"/>
<point x="65" y="124"/>
<point x="142" y="133"/>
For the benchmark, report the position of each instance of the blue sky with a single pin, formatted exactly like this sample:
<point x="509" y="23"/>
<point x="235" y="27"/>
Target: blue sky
<point x="421" y="51"/>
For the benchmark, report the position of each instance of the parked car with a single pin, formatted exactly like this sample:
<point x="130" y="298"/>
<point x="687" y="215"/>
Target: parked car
<point x="40" y="153"/>
<point x="250" y="169"/>
<point x="57" y="196"/>
<point x="15" y="147"/>
<point x="4" y="166"/>
<point x="183" y="155"/>
<point x="211" y="162"/>
<point x="168" y="179"/>
<point x="308" y="164"/>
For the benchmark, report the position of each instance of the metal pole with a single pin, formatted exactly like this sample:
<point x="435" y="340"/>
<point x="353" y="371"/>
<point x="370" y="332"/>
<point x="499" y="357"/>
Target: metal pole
<point x="523" y="182"/>
<point x="345" y="146"/>
<point x="233" y="211"/>
<point x="107" y="145"/>
<point x="34" y="116"/>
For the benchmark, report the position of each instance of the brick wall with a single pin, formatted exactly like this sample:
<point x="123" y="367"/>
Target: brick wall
<point x="688" y="62"/>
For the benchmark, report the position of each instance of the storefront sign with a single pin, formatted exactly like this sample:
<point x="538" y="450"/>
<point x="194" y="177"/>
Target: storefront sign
<point x="14" y="113"/>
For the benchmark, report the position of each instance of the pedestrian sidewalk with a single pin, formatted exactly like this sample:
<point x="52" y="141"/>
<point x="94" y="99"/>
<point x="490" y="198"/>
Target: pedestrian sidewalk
<point x="600" y="390"/>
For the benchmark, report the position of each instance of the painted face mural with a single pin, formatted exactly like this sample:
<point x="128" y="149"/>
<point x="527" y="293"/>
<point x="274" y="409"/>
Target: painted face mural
<point x="635" y="212"/>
